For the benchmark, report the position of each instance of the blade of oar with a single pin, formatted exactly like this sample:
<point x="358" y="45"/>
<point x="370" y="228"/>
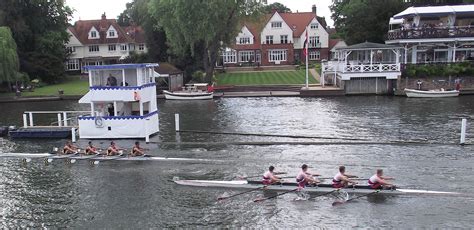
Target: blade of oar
<point x="238" y="194"/>
<point x="354" y="198"/>
<point x="277" y="195"/>
<point x="327" y="193"/>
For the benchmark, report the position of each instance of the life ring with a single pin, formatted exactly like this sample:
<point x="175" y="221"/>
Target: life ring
<point x="99" y="122"/>
<point x="136" y="96"/>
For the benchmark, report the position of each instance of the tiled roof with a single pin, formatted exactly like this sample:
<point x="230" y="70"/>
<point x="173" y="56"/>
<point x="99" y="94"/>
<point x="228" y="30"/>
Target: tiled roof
<point x="298" y="21"/>
<point x="333" y="42"/>
<point x="81" y="29"/>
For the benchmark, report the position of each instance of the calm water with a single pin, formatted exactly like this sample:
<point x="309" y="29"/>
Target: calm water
<point x="141" y="194"/>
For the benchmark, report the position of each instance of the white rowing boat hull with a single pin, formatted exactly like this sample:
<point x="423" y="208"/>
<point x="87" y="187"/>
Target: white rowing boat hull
<point x="243" y="184"/>
<point x="187" y="95"/>
<point x="89" y="157"/>
<point x="431" y="93"/>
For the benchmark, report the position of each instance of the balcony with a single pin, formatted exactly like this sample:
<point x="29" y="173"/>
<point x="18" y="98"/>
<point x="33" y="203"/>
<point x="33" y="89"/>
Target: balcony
<point x="431" y="32"/>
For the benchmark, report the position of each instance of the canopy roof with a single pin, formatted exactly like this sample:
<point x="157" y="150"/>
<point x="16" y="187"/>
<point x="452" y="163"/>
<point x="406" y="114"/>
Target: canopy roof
<point x="368" y="46"/>
<point x="120" y="66"/>
<point x="436" y="11"/>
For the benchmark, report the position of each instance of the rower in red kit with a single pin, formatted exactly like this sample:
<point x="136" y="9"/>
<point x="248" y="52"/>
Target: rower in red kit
<point x="305" y="178"/>
<point x="379" y="181"/>
<point x="269" y="177"/>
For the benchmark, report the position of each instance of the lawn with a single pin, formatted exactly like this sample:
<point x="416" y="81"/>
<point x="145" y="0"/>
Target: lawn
<point x="72" y="85"/>
<point x="292" y="77"/>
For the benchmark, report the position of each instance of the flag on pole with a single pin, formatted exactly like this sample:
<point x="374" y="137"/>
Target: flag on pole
<point x="305" y="44"/>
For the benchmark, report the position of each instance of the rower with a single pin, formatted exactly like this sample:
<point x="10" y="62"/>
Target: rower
<point x="379" y="181"/>
<point x="269" y="177"/>
<point x="137" y="150"/>
<point x="69" y="148"/>
<point x="304" y="177"/>
<point x="341" y="179"/>
<point x="113" y="149"/>
<point x="91" y="150"/>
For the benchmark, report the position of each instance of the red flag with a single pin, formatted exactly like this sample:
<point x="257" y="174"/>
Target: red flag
<point x="305" y="44"/>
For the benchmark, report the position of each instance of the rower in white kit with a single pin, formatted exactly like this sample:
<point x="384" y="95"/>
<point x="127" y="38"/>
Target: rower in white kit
<point x="270" y="177"/>
<point x="379" y="181"/>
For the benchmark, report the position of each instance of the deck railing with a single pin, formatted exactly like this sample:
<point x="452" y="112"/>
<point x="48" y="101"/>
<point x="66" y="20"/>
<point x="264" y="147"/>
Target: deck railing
<point x="360" y="68"/>
<point x="431" y="32"/>
<point x="64" y="118"/>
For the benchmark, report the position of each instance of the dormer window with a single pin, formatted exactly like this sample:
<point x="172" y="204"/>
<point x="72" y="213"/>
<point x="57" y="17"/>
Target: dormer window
<point x="93" y="34"/>
<point x="111" y="33"/>
<point x="314" y="25"/>
<point x="276" y="25"/>
<point x="244" y="40"/>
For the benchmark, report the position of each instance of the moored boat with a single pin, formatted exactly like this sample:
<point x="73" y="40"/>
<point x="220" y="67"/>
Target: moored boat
<point x="288" y="186"/>
<point x="197" y="91"/>
<point x="431" y="93"/>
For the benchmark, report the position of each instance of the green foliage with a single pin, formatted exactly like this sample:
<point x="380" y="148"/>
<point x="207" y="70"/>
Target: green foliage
<point x="198" y="76"/>
<point x="364" y="20"/>
<point x="199" y="28"/>
<point x="135" y="57"/>
<point x="9" y="63"/>
<point x="439" y="70"/>
<point x="39" y="29"/>
<point x="280" y="8"/>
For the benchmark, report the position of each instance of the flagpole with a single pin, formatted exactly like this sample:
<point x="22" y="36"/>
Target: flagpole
<point x="306" y="52"/>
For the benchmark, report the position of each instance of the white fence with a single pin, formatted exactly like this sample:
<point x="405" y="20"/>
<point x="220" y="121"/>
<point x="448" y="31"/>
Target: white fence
<point x="64" y="118"/>
<point x="360" y="68"/>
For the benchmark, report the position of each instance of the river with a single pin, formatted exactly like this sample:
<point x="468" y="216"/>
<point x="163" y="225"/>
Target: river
<point x="125" y="195"/>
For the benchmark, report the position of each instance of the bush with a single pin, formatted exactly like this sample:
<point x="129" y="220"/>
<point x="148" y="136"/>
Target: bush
<point x="198" y="76"/>
<point x="439" y="70"/>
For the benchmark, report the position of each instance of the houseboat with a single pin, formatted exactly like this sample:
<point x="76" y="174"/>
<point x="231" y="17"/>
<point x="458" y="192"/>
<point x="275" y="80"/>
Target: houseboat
<point x="122" y="99"/>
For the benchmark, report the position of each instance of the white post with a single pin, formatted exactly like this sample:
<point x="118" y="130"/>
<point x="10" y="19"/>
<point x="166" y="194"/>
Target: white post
<point x="31" y="119"/>
<point x="65" y="118"/>
<point x="147" y="136"/>
<point x="123" y="77"/>
<point x="59" y="120"/>
<point x="73" y="135"/>
<point x="307" y="70"/>
<point x="25" y="120"/>
<point x="176" y="122"/>
<point x="463" y="131"/>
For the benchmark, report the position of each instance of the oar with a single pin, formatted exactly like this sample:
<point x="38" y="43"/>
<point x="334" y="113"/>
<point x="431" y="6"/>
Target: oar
<point x="64" y="156"/>
<point x="260" y="175"/>
<point x="97" y="161"/>
<point x="327" y="193"/>
<point x="357" y="197"/>
<point x="277" y="195"/>
<point x="251" y="190"/>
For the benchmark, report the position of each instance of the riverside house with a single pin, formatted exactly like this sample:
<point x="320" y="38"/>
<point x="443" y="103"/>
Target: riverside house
<point x="100" y="42"/>
<point x="277" y="39"/>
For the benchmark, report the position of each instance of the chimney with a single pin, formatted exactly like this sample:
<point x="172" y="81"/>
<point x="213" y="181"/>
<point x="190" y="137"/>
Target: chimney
<point x="314" y="9"/>
<point x="103" y="16"/>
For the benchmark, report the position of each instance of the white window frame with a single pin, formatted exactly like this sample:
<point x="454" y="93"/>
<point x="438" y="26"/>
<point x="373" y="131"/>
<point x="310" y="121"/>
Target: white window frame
<point x="71" y="49"/>
<point x="111" y="33"/>
<point x="94" y="48"/>
<point x="277" y="25"/>
<point x="244" y="40"/>
<point x="229" y="57"/>
<point x="314" y="41"/>
<point x="269" y="39"/>
<point x="72" y="64"/>
<point x="314" y="25"/>
<point x="314" y="55"/>
<point x="277" y="55"/>
<point x="112" y="48"/>
<point x="141" y="47"/>
<point x="93" y="34"/>
<point x="246" y="56"/>
<point x="123" y="47"/>
<point x="285" y="41"/>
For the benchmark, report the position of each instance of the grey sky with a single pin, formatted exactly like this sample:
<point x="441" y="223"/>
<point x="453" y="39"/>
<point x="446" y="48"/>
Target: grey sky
<point x="92" y="9"/>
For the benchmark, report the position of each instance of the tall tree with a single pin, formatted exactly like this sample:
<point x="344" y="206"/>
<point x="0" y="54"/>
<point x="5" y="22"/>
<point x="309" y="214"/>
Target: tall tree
<point x="365" y="20"/>
<point x="280" y="8"/>
<point x="201" y="27"/>
<point x="39" y="29"/>
<point x="9" y="63"/>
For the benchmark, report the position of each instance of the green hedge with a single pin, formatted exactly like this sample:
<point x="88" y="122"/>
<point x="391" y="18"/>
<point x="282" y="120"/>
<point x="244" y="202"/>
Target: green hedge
<point x="439" y="70"/>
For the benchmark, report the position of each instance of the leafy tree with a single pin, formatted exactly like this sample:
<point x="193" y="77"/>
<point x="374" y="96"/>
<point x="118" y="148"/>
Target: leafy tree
<point x="280" y="8"/>
<point x="9" y="63"/>
<point x="39" y="29"/>
<point x="201" y="28"/>
<point x="365" y="20"/>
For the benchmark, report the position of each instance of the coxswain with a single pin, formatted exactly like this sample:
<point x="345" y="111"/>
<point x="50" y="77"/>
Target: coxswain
<point x="91" y="150"/>
<point x="137" y="150"/>
<point x="69" y="148"/>
<point x="270" y="177"/>
<point x="113" y="149"/>
<point x="305" y="178"/>
<point x="341" y="179"/>
<point x="379" y="181"/>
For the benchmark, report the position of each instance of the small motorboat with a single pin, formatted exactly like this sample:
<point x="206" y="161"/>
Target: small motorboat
<point x="196" y="91"/>
<point x="431" y="93"/>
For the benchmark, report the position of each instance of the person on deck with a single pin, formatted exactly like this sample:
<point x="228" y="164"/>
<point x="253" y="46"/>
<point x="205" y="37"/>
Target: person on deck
<point x="305" y="178"/>
<point x="269" y="177"/>
<point x="69" y="148"/>
<point x="111" y="80"/>
<point x="341" y="179"/>
<point x="379" y="181"/>
<point x="113" y="150"/>
<point x="91" y="150"/>
<point x="137" y="150"/>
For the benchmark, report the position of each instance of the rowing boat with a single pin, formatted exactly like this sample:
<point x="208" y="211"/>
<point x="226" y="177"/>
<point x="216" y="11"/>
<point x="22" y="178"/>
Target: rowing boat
<point x="102" y="157"/>
<point x="288" y="186"/>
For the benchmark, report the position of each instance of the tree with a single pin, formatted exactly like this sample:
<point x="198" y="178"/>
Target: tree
<point x="364" y="20"/>
<point x="39" y="29"/>
<point x="201" y="28"/>
<point x="280" y="8"/>
<point x="9" y="63"/>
